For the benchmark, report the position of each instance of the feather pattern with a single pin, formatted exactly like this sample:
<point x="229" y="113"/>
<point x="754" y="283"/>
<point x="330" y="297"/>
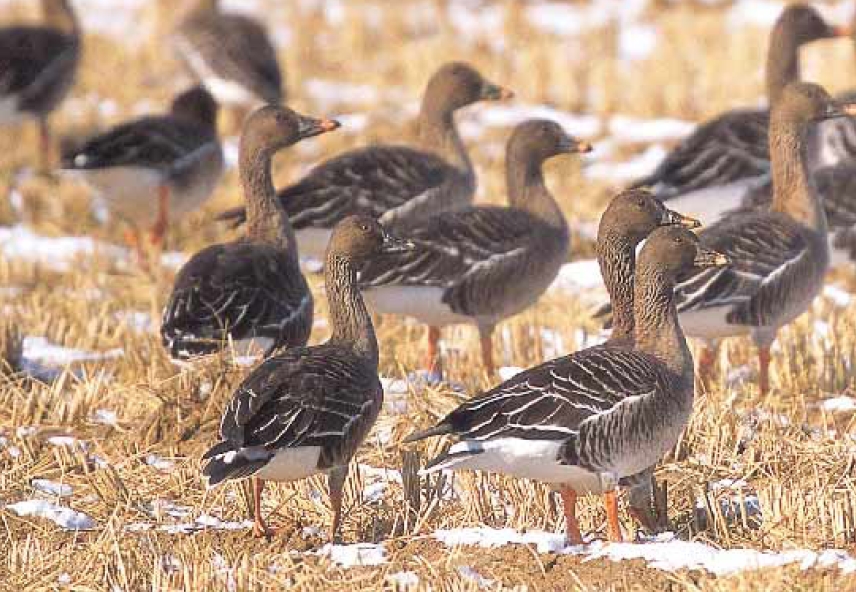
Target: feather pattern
<point x="777" y="265"/>
<point x="241" y="290"/>
<point x="476" y="256"/>
<point x="233" y="48"/>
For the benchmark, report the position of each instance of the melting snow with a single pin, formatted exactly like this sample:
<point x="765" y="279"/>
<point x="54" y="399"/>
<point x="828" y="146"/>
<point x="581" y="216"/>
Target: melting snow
<point x="838" y="404"/>
<point x="52" y="488"/>
<point x="837" y="295"/>
<point x="161" y="464"/>
<point x="636" y="167"/>
<point x="471" y="574"/>
<point x="19" y="242"/>
<point x="579" y="277"/>
<point x="106" y="417"/>
<point x="59" y="515"/>
<point x="404" y="579"/>
<point x="663" y="552"/>
<point x="42" y="358"/>
<point x="360" y="554"/>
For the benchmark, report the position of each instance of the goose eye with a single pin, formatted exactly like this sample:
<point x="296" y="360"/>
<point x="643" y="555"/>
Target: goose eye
<point x="641" y="203"/>
<point x="678" y="240"/>
<point x="364" y="227"/>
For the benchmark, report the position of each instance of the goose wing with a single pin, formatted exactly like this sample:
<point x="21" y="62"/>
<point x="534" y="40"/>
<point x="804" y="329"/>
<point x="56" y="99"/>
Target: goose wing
<point x="322" y="396"/>
<point x="730" y="148"/>
<point x="461" y="252"/>
<point x="233" y="47"/>
<point x="768" y="252"/>
<point x="150" y="142"/>
<point x="244" y="290"/>
<point x="31" y="58"/>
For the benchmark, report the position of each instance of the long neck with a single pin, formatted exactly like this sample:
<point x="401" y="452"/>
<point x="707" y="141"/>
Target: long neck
<point x="267" y="221"/>
<point x="793" y="193"/>
<point x="657" y="331"/>
<point x="783" y="63"/>
<point x="527" y="190"/>
<point x="352" y="324"/>
<point x="616" y="257"/>
<point x="439" y="134"/>
<point x="59" y="15"/>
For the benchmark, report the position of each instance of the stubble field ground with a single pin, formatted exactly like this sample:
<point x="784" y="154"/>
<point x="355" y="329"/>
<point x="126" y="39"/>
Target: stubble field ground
<point x="100" y="434"/>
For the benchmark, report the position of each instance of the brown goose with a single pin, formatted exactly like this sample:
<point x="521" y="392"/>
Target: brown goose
<point x="586" y="421"/>
<point x="483" y="264"/>
<point x="711" y="171"/>
<point x="628" y="220"/>
<point x="398" y="185"/>
<point x="250" y="291"/>
<point x="306" y="411"/>
<point x="780" y="254"/>
<point x="37" y="68"/>
<point x="155" y="167"/>
<point x="230" y="54"/>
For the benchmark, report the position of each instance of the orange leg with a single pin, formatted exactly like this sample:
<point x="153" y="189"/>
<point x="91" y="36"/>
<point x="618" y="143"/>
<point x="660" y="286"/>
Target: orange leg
<point x="707" y="366"/>
<point x="162" y="222"/>
<point x="487" y="354"/>
<point x="132" y="238"/>
<point x="433" y="363"/>
<point x="612" y="524"/>
<point x="764" y="370"/>
<point x="260" y="529"/>
<point x="572" y="527"/>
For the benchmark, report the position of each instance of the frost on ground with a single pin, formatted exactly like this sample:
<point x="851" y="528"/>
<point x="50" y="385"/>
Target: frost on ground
<point x="59" y="515"/>
<point x="359" y="554"/>
<point x="664" y="552"/>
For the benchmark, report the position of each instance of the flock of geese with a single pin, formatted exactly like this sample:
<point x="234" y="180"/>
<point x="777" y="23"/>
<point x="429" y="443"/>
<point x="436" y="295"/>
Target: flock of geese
<point x="772" y="188"/>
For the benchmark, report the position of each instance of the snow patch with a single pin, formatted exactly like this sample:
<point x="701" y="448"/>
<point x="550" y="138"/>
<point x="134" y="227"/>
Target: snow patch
<point x="52" y="487"/>
<point x="842" y="403"/>
<point x="59" y="515"/>
<point x="360" y="554"/>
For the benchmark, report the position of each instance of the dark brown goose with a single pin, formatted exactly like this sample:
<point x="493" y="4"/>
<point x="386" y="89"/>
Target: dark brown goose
<point x="306" y="411"/>
<point x="251" y="291"/>
<point x="586" y="421"/>
<point x="780" y="254"/>
<point x="153" y="168"/>
<point x="230" y="54"/>
<point x="398" y="185"/>
<point x="481" y="265"/>
<point x="630" y="217"/>
<point x="711" y="171"/>
<point x="37" y="68"/>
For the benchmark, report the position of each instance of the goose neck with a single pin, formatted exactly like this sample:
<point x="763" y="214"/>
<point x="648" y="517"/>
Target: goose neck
<point x="352" y="325"/>
<point x="616" y="258"/>
<point x="438" y="133"/>
<point x="657" y="331"/>
<point x="793" y="192"/>
<point x="528" y="191"/>
<point x="783" y="63"/>
<point x="267" y="221"/>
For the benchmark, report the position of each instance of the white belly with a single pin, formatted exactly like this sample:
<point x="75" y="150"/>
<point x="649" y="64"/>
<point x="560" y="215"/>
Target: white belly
<point x="709" y="204"/>
<point x="129" y="192"/>
<point x="527" y="459"/>
<point x="312" y="242"/>
<point x="291" y="464"/>
<point x="710" y="324"/>
<point x="9" y="112"/>
<point x="424" y="303"/>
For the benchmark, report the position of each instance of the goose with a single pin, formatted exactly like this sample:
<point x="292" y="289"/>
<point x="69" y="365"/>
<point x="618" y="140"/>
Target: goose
<point x="250" y="291"/>
<point x="710" y="172"/>
<point x="155" y="167"/>
<point x="585" y="421"/>
<point x="628" y="220"/>
<point x="306" y="410"/>
<point x="780" y="254"/>
<point x="231" y="54"/>
<point x="482" y="264"/>
<point x="399" y="185"/>
<point x="38" y="65"/>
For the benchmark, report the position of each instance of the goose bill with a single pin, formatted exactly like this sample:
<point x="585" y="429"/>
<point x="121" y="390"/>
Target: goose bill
<point x="710" y="258"/>
<point x="494" y="92"/>
<point x="310" y="127"/>
<point x="392" y="244"/>
<point x="673" y="218"/>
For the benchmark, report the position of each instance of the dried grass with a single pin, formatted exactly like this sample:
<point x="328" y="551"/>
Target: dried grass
<point x="798" y="459"/>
